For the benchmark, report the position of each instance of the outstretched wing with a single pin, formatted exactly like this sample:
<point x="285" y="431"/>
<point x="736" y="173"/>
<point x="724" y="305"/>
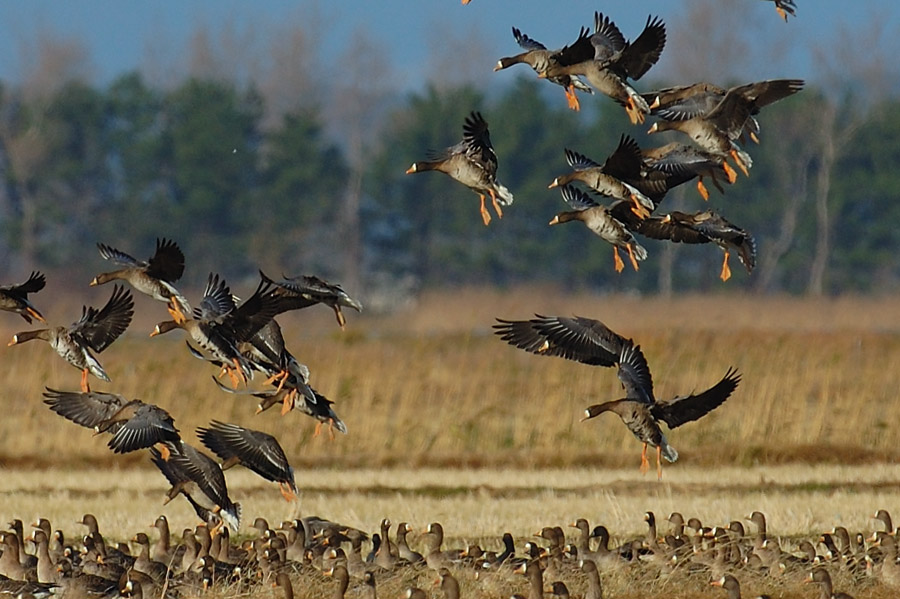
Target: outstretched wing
<point x="579" y="339"/>
<point x="167" y="264"/>
<point x="86" y="409"/>
<point x="635" y="374"/>
<point x="99" y="328"/>
<point x="258" y="451"/>
<point x="691" y="407"/>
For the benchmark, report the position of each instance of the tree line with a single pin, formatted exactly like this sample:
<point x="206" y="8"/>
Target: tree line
<point x="127" y="163"/>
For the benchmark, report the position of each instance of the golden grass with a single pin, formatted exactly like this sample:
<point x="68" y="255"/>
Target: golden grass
<point x="429" y="394"/>
<point x="434" y="386"/>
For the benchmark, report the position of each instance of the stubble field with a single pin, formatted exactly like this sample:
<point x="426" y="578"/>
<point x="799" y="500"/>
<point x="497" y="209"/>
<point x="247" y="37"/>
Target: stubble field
<point x="448" y="423"/>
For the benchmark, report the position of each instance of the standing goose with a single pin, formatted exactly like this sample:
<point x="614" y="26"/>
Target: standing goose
<point x="133" y="424"/>
<point x="606" y="60"/>
<point x="14" y="298"/>
<point x="95" y="330"/>
<point x="606" y="223"/>
<point x="197" y="476"/>
<point x="641" y="412"/>
<point x="255" y="450"/>
<point x="822" y="578"/>
<point x="473" y="163"/>
<point x="730" y="584"/>
<point x="610" y="178"/>
<point x="703" y="227"/>
<point x="153" y="277"/>
<point x="538" y="57"/>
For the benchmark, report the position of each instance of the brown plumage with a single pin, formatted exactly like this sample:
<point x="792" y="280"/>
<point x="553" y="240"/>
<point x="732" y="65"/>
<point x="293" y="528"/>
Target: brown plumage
<point x="133" y="424"/>
<point x="642" y="413"/>
<point x="608" y="223"/>
<point x="473" y="163"/>
<point x="255" y="450"/>
<point x="703" y="227"/>
<point x="153" y="277"/>
<point x="607" y="60"/>
<point x="94" y="331"/>
<point x="14" y="298"/>
<point x="538" y="57"/>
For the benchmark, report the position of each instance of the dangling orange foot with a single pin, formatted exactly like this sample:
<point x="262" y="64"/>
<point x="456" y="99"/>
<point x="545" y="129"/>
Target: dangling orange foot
<point x="639" y="209"/>
<point x="658" y="463"/>
<point x="729" y="172"/>
<point x="726" y="271"/>
<point x="280" y="377"/>
<point x="740" y="163"/>
<point x="287" y="492"/>
<point x="619" y="265"/>
<point x="331" y="428"/>
<point x="288" y="403"/>
<point x="497" y="208"/>
<point x="645" y="463"/>
<point x="318" y="429"/>
<point x="572" y="99"/>
<point x="704" y="193"/>
<point x="485" y="215"/>
<point x="85" y="386"/>
<point x="164" y="451"/>
<point x="631" y="256"/>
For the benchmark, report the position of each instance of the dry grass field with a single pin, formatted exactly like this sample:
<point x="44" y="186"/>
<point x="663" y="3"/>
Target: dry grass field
<point x="446" y="422"/>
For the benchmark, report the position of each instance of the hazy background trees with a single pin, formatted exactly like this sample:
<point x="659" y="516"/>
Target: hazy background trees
<point x="258" y="152"/>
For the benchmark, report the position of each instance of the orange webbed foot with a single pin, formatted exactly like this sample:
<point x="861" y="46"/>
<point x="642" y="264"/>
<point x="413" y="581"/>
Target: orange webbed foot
<point x="617" y="260"/>
<point x="485" y="215"/>
<point x="729" y="172"/>
<point x="631" y="257"/>
<point x="572" y="99"/>
<point x="726" y="270"/>
<point x="704" y="193"/>
<point x="645" y="463"/>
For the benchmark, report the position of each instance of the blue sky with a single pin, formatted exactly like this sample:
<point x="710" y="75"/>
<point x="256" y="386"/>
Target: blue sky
<point x="117" y="34"/>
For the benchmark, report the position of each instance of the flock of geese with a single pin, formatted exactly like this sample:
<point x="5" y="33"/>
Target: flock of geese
<point x="634" y="179"/>
<point x="311" y="550"/>
<point x="242" y="338"/>
<point x="239" y="337"/>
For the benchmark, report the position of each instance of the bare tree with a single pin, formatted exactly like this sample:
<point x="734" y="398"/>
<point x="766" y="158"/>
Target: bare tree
<point x="359" y="100"/>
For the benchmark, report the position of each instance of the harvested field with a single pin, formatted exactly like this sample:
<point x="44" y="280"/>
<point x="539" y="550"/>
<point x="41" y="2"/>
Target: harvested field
<point x="448" y="423"/>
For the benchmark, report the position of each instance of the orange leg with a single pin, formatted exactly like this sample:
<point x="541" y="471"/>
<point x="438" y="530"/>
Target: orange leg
<point x="704" y="193"/>
<point x="781" y="12"/>
<point x="726" y="271"/>
<point x="164" y="451"/>
<point x="658" y="463"/>
<point x="572" y="99"/>
<point x="280" y="377"/>
<point x="729" y="172"/>
<point x="645" y="463"/>
<point x="635" y="114"/>
<point x="617" y="260"/>
<point x="34" y="314"/>
<point x="318" y="429"/>
<point x="631" y="256"/>
<point x="497" y="208"/>
<point x="85" y="386"/>
<point x="485" y="215"/>
<point x="740" y="163"/>
<point x="288" y="402"/>
<point x="331" y="429"/>
<point x="175" y="310"/>
<point x="287" y="492"/>
<point x="639" y="209"/>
